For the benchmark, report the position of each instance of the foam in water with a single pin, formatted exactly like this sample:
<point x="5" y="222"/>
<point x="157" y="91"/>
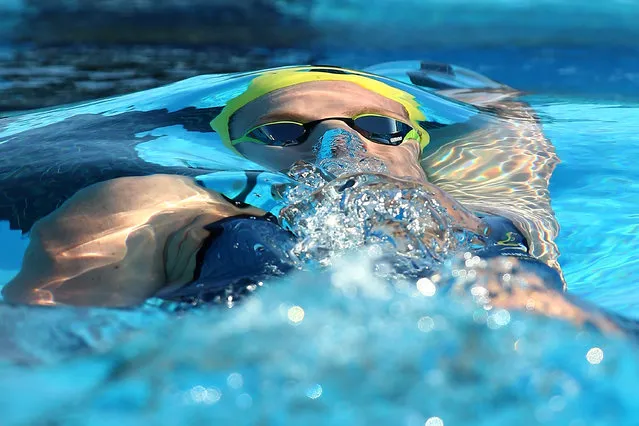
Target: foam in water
<point x="345" y="201"/>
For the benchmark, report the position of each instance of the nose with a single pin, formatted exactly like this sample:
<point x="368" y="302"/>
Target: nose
<point x="334" y="138"/>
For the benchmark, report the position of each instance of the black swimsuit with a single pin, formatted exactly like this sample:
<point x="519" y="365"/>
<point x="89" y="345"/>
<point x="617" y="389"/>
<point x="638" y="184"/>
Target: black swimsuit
<point x="506" y="240"/>
<point x="243" y="251"/>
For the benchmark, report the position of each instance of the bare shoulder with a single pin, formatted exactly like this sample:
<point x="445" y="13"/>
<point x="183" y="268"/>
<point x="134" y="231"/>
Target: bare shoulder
<point x="107" y="244"/>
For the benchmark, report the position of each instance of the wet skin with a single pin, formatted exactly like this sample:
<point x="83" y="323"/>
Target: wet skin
<point x="115" y="243"/>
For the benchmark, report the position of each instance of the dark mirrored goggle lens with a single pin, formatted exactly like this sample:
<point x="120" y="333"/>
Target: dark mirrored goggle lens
<point x="279" y="134"/>
<point x="383" y="129"/>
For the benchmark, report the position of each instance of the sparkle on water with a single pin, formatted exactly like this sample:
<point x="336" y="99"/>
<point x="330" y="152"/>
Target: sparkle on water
<point x="595" y="356"/>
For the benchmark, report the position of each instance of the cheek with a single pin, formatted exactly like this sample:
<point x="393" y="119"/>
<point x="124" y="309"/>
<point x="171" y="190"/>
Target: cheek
<point x="273" y="158"/>
<point x="400" y="160"/>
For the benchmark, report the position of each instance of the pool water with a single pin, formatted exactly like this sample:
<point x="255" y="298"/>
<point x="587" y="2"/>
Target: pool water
<point x="344" y="347"/>
<point x="595" y="194"/>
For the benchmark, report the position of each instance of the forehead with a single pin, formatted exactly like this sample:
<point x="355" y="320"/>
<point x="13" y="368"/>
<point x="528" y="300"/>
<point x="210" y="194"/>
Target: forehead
<point x="313" y="101"/>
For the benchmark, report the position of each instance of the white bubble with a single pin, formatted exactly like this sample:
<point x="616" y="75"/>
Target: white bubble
<point x="213" y="395"/>
<point x="244" y="401"/>
<point x="198" y="393"/>
<point x="498" y="319"/>
<point x="595" y="355"/>
<point x="202" y="395"/>
<point x="434" y="421"/>
<point x="425" y="324"/>
<point x="235" y="380"/>
<point x="314" y="391"/>
<point x="295" y="314"/>
<point x="502" y="317"/>
<point x="426" y="287"/>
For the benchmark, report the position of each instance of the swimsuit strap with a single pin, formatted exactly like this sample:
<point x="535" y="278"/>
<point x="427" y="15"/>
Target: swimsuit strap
<point x="240" y="251"/>
<point x="504" y="239"/>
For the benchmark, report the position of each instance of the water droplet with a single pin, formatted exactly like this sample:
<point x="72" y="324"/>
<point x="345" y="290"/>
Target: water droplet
<point x="425" y="324"/>
<point x="295" y="314"/>
<point x="235" y="380"/>
<point x="244" y="401"/>
<point x="595" y="356"/>
<point x="426" y="287"/>
<point x="434" y="421"/>
<point x="314" y="391"/>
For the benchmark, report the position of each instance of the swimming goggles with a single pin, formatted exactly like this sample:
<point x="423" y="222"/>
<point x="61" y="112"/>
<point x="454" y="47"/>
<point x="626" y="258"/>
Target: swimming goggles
<point x="377" y="128"/>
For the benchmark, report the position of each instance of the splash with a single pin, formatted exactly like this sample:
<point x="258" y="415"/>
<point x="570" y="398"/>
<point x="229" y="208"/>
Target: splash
<point x="345" y="201"/>
<point x="399" y="222"/>
<point x="339" y="152"/>
<point x="393" y="216"/>
<point x="333" y="348"/>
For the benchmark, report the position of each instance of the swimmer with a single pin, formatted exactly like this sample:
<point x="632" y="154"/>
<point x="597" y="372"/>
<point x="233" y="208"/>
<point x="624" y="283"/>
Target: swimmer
<point x="118" y="242"/>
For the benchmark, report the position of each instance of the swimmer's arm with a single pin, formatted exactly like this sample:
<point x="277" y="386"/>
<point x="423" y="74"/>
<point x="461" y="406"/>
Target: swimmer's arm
<point x="461" y="217"/>
<point x="501" y="168"/>
<point x="117" y="242"/>
<point x="515" y="284"/>
<point x="500" y="237"/>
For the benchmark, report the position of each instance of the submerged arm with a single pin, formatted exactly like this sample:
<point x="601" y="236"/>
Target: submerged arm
<point x="502" y="168"/>
<point x="117" y="242"/>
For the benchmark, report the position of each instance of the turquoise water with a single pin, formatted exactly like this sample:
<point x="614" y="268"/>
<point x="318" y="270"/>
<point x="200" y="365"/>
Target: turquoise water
<point x="595" y="194"/>
<point x="342" y="347"/>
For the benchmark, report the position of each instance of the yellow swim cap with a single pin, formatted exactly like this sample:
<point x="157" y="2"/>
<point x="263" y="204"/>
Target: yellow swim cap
<point x="279" y="79"/>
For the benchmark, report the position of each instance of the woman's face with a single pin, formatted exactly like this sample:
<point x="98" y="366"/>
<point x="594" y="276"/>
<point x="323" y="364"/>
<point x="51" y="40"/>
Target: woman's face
<point x="330" y="139"/>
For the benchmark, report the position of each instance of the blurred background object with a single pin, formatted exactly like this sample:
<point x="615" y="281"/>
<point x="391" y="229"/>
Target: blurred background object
<point x="60" y="51"/>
